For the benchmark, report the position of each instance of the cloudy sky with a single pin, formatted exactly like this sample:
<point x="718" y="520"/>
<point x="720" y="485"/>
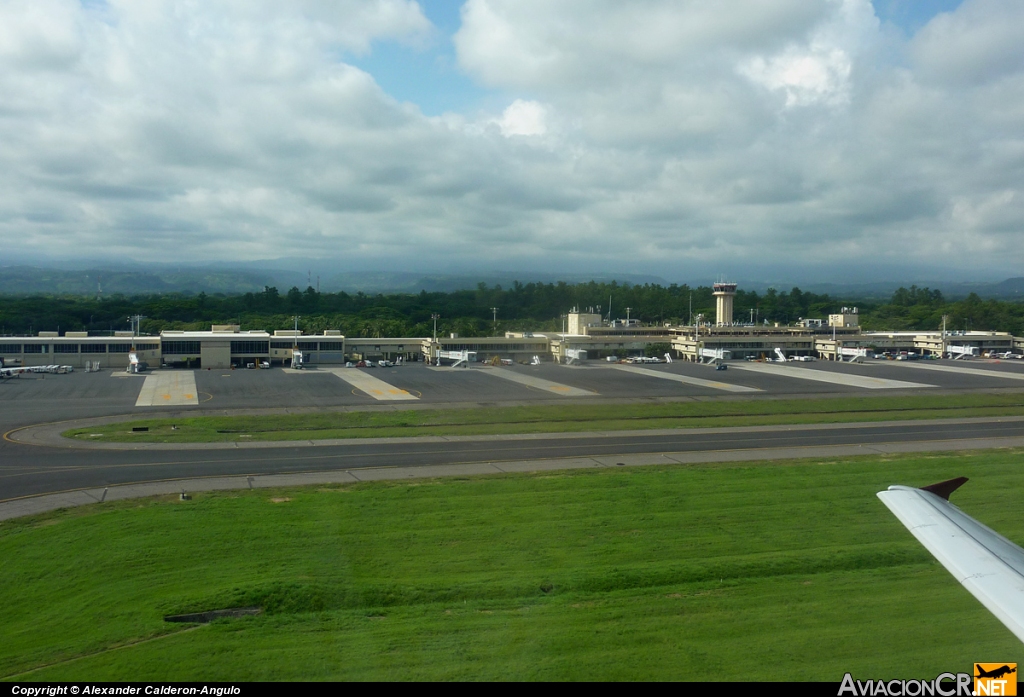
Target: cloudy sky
<point x="838" y="139"/>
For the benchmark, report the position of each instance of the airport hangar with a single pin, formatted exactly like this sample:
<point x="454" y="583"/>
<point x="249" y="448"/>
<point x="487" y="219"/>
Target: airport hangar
<point x="588" y="336"/>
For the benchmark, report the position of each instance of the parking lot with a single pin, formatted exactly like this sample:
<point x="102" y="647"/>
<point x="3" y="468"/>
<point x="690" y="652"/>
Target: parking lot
<point x="42" y="398"/>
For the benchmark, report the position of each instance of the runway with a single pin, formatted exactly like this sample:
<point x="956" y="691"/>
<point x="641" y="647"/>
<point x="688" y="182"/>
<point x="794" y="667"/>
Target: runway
<point x="34" y="470"/>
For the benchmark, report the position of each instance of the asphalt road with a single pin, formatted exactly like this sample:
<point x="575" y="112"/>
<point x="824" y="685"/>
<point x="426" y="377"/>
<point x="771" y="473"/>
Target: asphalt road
<point x="32" y="470"/>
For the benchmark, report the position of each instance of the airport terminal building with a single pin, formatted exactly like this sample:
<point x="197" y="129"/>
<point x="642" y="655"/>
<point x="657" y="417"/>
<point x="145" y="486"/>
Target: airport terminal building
<point x="588" y="337"/>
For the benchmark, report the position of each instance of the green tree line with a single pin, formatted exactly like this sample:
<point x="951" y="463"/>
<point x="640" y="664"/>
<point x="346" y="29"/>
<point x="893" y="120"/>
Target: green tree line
<point x="531" y="306"/>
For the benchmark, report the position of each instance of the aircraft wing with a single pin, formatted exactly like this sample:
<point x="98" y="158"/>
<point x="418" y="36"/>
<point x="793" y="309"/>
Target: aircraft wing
<point x="987" y="564"/>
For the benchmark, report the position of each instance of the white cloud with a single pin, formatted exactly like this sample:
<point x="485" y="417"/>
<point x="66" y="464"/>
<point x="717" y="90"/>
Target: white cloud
<point x="818" y="70"/>
<point x="981" y="41"/>
<point x="816" y="75"/>
<point x="523" y="118"/>
<point x="680" y="132"/>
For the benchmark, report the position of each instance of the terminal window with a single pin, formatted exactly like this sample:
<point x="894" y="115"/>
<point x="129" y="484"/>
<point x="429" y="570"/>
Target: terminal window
<point x="281" y="344"/>
<point x="65" y="348"/>
<point x="94" y="348"/>
<point x="36" y="348"/>
<point x="181" y="348"/>
<point x="9" y="349"/>
<point x="147" y="347"/>
<point x="305" y="345"/>
<point x="250" y="347"/>
<point x="332" y="346"/>
<point x="119" y="348"/>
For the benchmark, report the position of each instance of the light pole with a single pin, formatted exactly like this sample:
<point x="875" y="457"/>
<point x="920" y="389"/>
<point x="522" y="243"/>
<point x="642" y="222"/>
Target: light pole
<point x="433" y="348"/>
<point x="494" y="311"/>
<point x="136" y="321"/>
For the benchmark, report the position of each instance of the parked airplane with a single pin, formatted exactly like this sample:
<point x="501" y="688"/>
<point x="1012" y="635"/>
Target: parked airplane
<point x="10" y="372"/>
<point x="987" y="564"/>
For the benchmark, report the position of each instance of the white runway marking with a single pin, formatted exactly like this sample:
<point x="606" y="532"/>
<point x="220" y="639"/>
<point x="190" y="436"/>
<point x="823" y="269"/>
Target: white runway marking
<point x="699" y="382"/>
<point x="375" y="387"/>
<point x="968" y="371"/>
<point x="176" y="388"/>
<point x="539" y="383"/>
<point x="862" y="381"/>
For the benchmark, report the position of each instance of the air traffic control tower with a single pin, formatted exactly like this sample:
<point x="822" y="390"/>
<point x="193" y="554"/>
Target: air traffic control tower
<point x="724" y="293"/>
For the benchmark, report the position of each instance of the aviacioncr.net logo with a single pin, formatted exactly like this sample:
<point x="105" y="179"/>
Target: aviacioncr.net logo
<point x="995" y="679"/>
<point x="944" y="685"/>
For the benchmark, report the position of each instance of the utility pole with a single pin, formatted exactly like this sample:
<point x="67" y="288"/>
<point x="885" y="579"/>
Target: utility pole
<point x="627" y="314"/>
<point x="295" y="336"/>
<point x="494" y="311"/>
<point x="433" y="347"/>
<point x="136" y="321"/>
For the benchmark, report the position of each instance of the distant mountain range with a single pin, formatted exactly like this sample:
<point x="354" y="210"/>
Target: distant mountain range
<point x="26" y="280"/>
<point x="142" y="279"/>
<point x="1010" y="289"/>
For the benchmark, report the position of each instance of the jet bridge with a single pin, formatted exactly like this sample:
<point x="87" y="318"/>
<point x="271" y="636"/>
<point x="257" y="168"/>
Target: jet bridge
<point x="957" y="352"/>
<point x="135" y="365"/>
<point x="855" y="355"/>
<point x="574" y="356"/>
<point x="712" y="356"/>
<point x="460" y="358"/>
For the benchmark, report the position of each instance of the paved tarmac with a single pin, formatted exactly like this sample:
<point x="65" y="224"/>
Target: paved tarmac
<point x="30" y="474"/>
<point x="32" y="470"/>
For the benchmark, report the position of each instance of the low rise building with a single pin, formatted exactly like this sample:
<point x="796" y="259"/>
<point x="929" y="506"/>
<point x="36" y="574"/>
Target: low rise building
<point x="78" y="348"/>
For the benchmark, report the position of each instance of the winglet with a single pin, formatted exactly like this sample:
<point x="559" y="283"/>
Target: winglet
<point x="944" y="489"/>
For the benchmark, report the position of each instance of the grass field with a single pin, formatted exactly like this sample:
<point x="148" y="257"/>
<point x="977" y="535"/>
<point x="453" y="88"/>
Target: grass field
<point x="761" y="571"/>
<point x="551" y="418"/>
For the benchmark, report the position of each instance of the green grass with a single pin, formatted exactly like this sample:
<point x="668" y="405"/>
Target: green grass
<point x="770" y="571"/>
<point x="550" y="419"/>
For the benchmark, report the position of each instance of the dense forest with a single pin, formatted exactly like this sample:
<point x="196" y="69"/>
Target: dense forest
<point x="533" y="306"/>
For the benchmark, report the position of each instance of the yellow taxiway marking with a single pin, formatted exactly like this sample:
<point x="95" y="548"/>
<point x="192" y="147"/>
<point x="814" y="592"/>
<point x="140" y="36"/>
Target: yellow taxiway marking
<point x="686" y="379"/>
<point x="171" y="387"/>
<point x="964" y="370"/>
<point x="539" y="383"/>
<point x="372" y="386"/>
<point x="850" y="380"/>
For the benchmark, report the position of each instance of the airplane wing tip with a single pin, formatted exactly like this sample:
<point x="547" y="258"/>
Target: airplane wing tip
<point x="946" y="488"/>
<point x="941" y="489"/>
